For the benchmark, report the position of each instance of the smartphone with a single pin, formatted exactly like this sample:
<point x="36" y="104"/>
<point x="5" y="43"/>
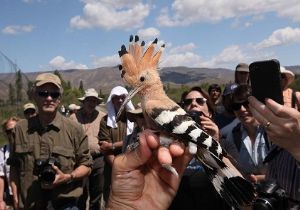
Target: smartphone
<point x="265" y="80"/>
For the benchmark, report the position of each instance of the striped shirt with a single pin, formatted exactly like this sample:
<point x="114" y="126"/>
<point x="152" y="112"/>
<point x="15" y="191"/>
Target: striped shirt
<point x="286" y="171"/>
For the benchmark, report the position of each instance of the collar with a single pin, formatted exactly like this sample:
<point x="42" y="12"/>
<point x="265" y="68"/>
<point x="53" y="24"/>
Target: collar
<point x="34" y="124"/>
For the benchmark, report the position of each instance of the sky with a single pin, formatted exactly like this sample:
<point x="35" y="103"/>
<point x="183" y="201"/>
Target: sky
<point x="43" y="35"/>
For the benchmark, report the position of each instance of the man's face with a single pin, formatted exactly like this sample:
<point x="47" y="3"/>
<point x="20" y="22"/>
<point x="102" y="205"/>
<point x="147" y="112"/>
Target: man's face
<point x="242" y="112"/>
<point x="242" y="77"/>
<point x="118" y="101"/>
<point x="215" y="94"/>
<point x="90" y="103"/>
<point x="47" y="98"/>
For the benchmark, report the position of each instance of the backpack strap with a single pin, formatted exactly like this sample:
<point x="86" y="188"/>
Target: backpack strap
<point x="294" y="98"/>
<point x="237" y="136"/>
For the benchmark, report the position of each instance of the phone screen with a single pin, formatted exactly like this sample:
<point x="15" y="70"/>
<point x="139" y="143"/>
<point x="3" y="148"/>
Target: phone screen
<point x="265" y="80"/>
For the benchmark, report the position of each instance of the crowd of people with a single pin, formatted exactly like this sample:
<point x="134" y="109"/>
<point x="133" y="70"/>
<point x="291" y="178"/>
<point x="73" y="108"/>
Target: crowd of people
<point x="90" y="159"/>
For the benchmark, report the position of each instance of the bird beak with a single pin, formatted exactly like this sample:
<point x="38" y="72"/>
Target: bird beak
<point x="130" y="95"/>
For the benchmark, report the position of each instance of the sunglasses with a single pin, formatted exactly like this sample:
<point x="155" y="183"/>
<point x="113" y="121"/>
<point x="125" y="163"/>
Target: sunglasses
<point x="237" y="106"/>
<point x="46" y="94"/>
<point x="29" y="111"/>
<point x="199" y="101"/>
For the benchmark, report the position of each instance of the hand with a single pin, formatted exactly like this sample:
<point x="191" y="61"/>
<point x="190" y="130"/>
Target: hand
<point x="284" y="128"/>
<point x="210" y="127"/>
<point x="2" y="205"/>
<point x="60" y="178"/>
<point x="105" y="146"/>
<point x="138" y="179"/>
<point x="256" y="178"/>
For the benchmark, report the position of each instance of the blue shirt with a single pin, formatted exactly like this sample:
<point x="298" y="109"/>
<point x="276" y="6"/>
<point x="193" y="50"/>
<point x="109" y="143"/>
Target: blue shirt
<point x="250" y="157"/>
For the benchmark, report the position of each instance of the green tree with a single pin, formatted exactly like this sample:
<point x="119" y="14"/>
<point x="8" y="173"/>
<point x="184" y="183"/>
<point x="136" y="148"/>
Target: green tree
<point x="81" y="89"/>
<point x="69" y="86"/>
<point x="19" y="86"/>
<point x="11" y="94"/>
<point x="29" y="90"/>
<point x="101" y="94"/>
<point x="63" y="82"/>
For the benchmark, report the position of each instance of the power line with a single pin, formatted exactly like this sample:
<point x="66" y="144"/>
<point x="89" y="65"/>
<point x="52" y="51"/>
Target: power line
<point x="15" y="66"/>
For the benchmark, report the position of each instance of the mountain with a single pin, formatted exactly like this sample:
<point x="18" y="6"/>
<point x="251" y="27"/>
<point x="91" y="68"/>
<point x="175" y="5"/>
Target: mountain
<point x="105" y="78"/>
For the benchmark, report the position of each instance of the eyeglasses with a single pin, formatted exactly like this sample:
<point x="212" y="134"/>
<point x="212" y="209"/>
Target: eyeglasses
<point x="46" y="94"/>
<point x="199" y="101"/>
<point x="237" y="106"/>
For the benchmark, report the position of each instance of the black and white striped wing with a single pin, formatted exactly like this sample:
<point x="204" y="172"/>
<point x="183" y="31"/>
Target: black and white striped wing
<point x="235" y="190"/>
<point x="180" y="125"/>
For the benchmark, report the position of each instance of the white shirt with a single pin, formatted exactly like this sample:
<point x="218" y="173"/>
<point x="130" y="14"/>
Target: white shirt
<point x="250" y="157"/>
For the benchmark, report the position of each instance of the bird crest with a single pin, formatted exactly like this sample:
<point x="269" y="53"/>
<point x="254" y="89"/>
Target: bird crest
<point x="138" y="65"/>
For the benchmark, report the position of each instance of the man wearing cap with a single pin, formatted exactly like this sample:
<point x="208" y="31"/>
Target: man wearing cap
<point x="89" y="118"/>
<point x="53" y="142"/>
<point x="241" y="75"/>
<point x="291" y="98"/>
<point x="29" y="110"/>
<point x="225" y="115"/>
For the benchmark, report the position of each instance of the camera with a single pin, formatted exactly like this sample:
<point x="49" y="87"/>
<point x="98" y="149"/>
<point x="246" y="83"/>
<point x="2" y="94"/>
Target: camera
<point x="270" y="197"/>
<point x="195" y="115"/>
<point x="43" y="169"/>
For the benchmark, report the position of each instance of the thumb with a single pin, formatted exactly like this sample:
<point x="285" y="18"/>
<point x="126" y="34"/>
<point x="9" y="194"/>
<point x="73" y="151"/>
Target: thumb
<point x="55" y="168"/>
<point x="135" y="158"/>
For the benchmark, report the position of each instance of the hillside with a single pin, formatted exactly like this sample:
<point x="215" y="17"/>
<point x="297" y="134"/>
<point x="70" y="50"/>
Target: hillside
<point x="106" y="78"/>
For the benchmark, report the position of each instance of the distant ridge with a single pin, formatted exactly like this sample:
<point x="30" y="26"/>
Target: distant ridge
<point x="105" y="78"/>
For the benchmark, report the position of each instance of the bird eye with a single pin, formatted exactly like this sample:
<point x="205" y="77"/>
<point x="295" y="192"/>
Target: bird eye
<point x="142" y="79"/>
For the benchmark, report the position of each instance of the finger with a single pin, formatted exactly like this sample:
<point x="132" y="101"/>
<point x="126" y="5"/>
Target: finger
<point x="177" y="149"/>
<point x="279" y="109"/>
<point x="152" y="139"/>
<point x="55" y="168"/>
<point x="136" y="158"/>
<point x="181" y="162"/>
<point x="164" y="156"/>
<point x="259" y="111"/>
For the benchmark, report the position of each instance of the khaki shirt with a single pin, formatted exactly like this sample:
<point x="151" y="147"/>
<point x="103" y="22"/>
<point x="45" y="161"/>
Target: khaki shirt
<point x="91" y="128"/>
<point x="63" y="139"/>
<point x="109" y="134"/>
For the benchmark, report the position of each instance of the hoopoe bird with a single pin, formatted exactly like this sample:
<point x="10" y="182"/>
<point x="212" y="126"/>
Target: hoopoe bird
<point x="140" y="70"/>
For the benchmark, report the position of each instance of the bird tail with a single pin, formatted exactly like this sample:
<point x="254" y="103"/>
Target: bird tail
<point x="233" y="188"/>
